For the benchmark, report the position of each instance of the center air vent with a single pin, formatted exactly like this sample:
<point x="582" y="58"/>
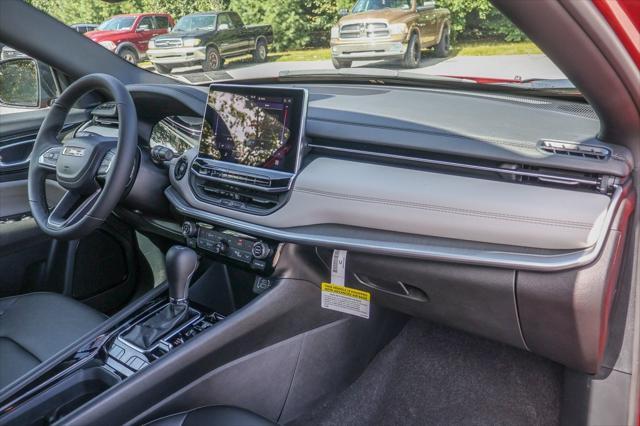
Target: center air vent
<point x="574" y="150"/>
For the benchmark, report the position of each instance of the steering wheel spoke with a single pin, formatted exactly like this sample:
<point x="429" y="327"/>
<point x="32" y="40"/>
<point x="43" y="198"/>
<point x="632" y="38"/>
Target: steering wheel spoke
<point x="72" y="207"/>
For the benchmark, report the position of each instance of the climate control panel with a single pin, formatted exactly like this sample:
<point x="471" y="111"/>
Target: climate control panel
<point x="242" y="248"/>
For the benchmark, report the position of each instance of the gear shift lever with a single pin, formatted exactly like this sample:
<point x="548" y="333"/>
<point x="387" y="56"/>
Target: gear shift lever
<point x="181" y="263"/>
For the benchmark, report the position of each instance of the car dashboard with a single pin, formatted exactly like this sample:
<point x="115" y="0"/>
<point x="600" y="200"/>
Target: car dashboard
<point x="484" y="211"/>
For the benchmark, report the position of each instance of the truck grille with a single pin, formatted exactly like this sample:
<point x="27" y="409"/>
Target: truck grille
<point x="364" y="30"/>
<point x="168" y="42"/>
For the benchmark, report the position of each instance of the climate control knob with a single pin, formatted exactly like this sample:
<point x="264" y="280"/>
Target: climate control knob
<point x="260" y="250"/>
<point x="222" y="247"/>
<point x="189" y="229"/>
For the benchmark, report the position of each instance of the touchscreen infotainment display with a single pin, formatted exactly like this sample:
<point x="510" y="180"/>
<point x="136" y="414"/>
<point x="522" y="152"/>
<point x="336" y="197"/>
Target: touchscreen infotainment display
<point x="254" y="128"/>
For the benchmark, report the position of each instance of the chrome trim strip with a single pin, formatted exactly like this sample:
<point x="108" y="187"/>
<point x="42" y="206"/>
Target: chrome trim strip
<point x="500" y="259"/>
<point x="516" y="172"/>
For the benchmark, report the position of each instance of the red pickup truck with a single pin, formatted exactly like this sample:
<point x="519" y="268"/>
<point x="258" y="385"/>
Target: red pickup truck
<point x="128" y="35"/>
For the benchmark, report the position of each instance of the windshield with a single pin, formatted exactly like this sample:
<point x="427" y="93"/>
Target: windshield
<point x="118" y="23"/>
<point x="365" y="5"/>
<point x="199" y="22"/>
<point x="407" y="40"/>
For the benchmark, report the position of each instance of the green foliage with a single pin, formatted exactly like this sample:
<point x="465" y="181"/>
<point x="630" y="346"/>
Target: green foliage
<point x="499" y="26"/>
<point x="462" y="10"/>
<point x="290" y="28"/>
<point x="18" y="83"/>
<point x="97" y="11"/>
<point x="296" y="23"/>
<point x="322" y="15"/>
<point x="478" y="20"/>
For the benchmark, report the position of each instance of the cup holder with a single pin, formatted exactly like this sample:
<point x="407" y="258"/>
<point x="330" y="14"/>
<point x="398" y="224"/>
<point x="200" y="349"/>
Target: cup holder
<point x="63" y="397"/>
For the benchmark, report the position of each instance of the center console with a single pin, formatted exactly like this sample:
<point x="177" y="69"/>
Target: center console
<point x="142" y="336"/>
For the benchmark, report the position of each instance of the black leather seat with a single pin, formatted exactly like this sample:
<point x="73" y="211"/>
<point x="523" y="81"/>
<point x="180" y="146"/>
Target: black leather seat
<point x="35" y="326"/>
<point x="218" y="415"/>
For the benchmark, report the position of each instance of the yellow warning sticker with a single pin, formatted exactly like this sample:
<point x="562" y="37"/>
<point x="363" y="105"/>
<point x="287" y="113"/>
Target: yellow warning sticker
<point x="345" y="299"/>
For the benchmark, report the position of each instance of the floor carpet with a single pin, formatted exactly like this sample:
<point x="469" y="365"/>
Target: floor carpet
<point x="432" y="375"/>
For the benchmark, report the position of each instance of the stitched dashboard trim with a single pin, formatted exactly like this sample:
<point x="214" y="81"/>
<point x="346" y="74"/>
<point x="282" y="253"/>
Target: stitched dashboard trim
<point x="452" y="210"/>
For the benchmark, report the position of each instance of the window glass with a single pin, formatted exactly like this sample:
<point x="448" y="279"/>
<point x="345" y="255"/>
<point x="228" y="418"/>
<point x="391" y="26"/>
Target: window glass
<point x="117" y="23"/>
<point x="146" y="22"/>
<point x="224" y="20"/>
<point x="162" y="22"/>
<point x="196" y="22"/>
<point x="235" y="20"/>
<point x="460" y="38"/>
<point x="19" y="83"/>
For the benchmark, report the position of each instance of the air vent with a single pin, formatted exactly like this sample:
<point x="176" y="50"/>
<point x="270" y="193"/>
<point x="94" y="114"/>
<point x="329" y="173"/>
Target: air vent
<point x="573" y="149"/>
<point x="236" y="197"/>
<point x="253" y="180"/>
<point x="229" y="175"/>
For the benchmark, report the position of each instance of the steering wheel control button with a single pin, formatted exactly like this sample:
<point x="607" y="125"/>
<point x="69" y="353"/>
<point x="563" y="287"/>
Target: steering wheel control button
<point x="50" y="156"/>
<point x="105" y="165"/>
<point x="181" y="169"/>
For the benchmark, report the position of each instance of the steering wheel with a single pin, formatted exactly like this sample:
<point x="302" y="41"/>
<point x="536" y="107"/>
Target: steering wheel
<point x="81" y="163"/>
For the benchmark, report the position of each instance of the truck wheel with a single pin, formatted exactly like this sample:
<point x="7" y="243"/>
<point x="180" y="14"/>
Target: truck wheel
<point x="413" y="54"/>
<point x="129" y="55"/>
<point x="444" y="47"/>
<point x="260" y="54"/>
<point x="162" y="69"/>
<point x="213" y="61"/>
<point x="340" y="64"/>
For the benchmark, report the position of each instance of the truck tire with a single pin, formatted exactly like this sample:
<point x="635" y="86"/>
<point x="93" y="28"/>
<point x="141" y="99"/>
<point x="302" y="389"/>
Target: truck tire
<point x="212" y="61"/>
<point x="129" y="55"/>
<point x="413" y="55"/>
<point x="162" y="69"/>
<point x="340" y="64"/>
<point x="260" y="54"/>
<point x="444" y="46"/>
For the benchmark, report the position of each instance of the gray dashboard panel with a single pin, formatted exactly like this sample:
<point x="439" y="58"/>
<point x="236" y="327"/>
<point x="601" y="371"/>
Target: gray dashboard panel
<point x="476" y="125"/>
<point x="332" y="191"/>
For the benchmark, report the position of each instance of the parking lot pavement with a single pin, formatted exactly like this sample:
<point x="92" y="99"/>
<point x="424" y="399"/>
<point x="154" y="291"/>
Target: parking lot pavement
<point x="508" y="67"/>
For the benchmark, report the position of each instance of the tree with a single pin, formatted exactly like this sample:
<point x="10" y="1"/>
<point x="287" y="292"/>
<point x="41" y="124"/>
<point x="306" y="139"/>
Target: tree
<point x="296" y="23"/>
<point x="97" y="11"/>
<point x="290" y="25"/>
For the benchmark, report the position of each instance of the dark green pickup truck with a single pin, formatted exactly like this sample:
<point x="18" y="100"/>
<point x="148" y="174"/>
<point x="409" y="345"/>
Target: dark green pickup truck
<point x="207" y="39"/>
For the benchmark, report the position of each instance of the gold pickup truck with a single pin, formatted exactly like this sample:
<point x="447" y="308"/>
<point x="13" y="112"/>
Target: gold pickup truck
<point x="390" y="29"/>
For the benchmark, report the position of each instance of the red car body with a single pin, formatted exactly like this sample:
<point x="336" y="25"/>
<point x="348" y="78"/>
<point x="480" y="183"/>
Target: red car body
<point x="131" y="41"/>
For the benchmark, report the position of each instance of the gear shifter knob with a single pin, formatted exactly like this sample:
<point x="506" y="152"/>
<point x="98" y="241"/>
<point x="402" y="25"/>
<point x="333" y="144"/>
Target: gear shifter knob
<point x="181" y="263"/>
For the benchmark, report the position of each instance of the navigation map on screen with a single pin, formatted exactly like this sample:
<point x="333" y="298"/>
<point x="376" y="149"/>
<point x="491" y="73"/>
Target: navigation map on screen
<point x="252" y="130"/>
